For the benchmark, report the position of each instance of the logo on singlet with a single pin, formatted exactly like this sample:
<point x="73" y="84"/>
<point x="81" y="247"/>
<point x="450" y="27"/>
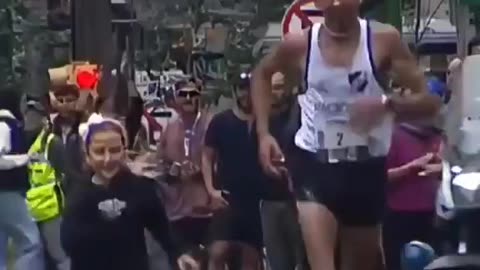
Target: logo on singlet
<point x="358" y="81"/>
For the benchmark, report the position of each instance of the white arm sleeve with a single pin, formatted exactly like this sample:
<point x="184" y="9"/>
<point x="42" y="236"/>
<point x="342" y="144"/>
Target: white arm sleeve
<point x="5" y="138"/>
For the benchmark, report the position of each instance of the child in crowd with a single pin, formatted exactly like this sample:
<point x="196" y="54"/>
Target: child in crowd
<point x="105" y="217"/>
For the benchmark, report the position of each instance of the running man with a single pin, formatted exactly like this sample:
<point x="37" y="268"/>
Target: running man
<point x="338" y="164"/>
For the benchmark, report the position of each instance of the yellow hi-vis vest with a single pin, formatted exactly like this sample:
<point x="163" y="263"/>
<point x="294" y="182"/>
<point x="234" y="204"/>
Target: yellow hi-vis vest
<point x="45" y="196"/>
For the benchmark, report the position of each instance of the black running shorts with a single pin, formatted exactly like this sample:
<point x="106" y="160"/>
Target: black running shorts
<point x="353" y="191"/>
<point x="239" y="222"/>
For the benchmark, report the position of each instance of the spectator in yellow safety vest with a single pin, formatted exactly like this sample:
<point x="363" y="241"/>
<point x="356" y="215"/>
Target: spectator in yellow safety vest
<point x="45" y="197"/>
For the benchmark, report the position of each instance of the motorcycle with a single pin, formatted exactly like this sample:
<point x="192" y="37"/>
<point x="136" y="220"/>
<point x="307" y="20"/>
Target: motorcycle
<point x="459" y="202"/>
<point x="458" y="199"/>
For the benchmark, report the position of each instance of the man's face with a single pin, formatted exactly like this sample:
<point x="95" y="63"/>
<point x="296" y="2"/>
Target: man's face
<point x="65" y="103"/>
<point x="341" y="8"/>
<point x="242" y="96"/>
<point x="281" y="95"/>
<point x="188" y="98"/>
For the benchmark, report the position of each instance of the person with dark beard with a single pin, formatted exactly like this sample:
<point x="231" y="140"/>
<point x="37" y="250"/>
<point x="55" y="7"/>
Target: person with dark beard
<point x="235" y="195"/>
<point x="281" y="231"/>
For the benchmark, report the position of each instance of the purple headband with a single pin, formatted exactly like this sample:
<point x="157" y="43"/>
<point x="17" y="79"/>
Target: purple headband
<point x="103" y="126"/>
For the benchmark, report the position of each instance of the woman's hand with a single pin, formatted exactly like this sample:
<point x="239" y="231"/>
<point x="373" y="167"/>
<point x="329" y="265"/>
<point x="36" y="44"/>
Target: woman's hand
<point x="431" y="169"/>
<point x="421" y="162"/>
<point x="187" y="262"/>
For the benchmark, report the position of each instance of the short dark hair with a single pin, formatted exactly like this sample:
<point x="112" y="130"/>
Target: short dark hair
<point x="10" y="99"/>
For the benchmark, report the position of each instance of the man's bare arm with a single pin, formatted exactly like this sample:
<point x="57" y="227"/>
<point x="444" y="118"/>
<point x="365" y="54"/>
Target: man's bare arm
<point x="208" y="161"/>
<point x="285" y="59"/>
<point x="420" y="103"/>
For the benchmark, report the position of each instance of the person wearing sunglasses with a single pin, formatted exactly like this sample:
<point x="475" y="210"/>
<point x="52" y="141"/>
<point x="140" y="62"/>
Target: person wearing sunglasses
<point x="185" y="196"/>
<point x="234" y="185"/>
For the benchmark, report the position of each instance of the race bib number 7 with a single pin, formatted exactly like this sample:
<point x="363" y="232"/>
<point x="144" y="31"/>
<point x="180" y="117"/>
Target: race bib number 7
<point x="338" y="135"/>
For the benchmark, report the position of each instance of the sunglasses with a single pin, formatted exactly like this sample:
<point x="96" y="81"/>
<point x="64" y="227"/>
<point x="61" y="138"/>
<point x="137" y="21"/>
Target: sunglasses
<point x="188" y="93"/>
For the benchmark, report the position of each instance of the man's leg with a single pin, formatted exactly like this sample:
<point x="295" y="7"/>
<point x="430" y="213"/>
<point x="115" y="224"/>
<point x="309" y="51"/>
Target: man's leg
<point x="319" y="230"/>
<point x="250" y="257"/>
<point x="50" y="231"/>
<point x="279" y="253"/>
<point x="359" y="247"/>
<point x="19" y="225"/>
<point x="316" y="187"/>
<point x="219" y="253"/>
<point x="221" y="235"/>
<point x="363" y="205"/>
<point x="294" y="236"/>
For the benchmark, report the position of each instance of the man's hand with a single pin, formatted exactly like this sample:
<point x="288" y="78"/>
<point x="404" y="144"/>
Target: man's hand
<point x="366" y="113"/>
<point x="187" y="262"/>
<point x="270" y="154"/>
<point x="217" y="201"/>
<point x="188" y="169"/>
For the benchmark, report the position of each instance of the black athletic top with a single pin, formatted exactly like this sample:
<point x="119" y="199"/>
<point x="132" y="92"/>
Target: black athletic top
<point x="238" y="170"/>
<point x="104" y="227"/>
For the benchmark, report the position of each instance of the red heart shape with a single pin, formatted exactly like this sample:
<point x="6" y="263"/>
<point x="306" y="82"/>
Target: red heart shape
<point x="86" y="80"/>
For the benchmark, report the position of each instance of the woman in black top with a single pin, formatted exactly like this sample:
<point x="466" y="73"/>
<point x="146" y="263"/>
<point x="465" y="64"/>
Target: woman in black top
<point x="105" y="217"/>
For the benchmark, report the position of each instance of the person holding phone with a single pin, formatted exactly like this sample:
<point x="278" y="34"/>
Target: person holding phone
<point x="184" y="194"/>
<point x="414" y="175"/>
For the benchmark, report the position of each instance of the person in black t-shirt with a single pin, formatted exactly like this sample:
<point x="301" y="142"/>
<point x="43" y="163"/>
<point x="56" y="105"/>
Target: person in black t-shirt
<point x="230" y="145"/>
<point x="281" y="231"/>
<point x="106" y="215"/>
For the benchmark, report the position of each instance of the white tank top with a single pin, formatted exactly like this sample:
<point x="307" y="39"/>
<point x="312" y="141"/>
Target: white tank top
<point x="329" y="89"/>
